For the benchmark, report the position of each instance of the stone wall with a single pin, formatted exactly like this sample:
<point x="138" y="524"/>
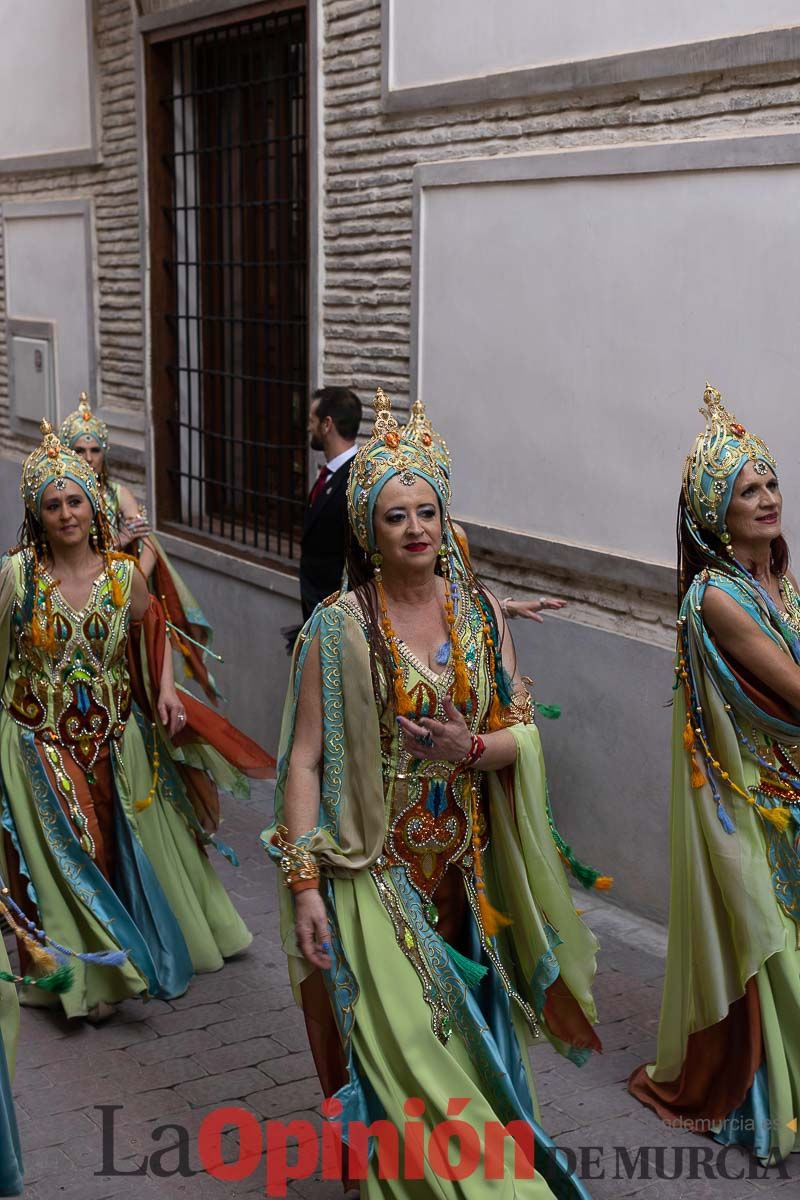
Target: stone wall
<point x="113" y="187"/>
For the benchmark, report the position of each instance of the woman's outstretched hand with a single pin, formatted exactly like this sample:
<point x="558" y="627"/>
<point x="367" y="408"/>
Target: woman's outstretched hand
<point x="311" y="928"/>
<point x="444" y="741"/>
<point x="531" y="610"/>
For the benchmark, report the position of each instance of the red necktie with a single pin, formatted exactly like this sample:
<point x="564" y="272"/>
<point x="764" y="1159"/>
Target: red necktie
<point x="322" y="479"/>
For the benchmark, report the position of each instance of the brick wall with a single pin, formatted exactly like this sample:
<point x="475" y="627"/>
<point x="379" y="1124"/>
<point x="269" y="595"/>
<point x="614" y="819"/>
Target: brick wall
<point x="114" y="188"/>
<point x="370" y="157"/>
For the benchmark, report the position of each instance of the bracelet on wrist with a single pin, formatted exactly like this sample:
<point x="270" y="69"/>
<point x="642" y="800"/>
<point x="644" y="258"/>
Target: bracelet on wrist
<point x="509" y="616"/>
<point x="303" y="885"/>
<point x="476" y="751"/>
<point x="299" y="868"/>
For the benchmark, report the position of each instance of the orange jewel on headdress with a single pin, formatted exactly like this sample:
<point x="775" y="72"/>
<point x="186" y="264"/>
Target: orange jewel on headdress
<point x="392" y="439"/>
<point x="739" y="430"/>
<point x="52" y="452"/>
<point x="87" y="416"/>
<point x="427" y="440"/>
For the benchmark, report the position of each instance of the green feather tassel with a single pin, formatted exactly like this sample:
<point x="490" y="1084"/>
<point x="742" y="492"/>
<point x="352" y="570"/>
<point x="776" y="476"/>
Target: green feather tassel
<point x="551" y="711"/>
<point x="60" y="980"/>
<point x="585" y="875"/>
<point x="471" y="972"/>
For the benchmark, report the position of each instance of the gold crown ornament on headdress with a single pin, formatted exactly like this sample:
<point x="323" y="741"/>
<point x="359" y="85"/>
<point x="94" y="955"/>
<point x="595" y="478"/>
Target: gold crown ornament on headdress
<point x="51" y="462"/>
<point x="420" y="431"/>
<point x="388" y="452"/>
<point x="83" y="423"/>
<point x="717" y="457"/>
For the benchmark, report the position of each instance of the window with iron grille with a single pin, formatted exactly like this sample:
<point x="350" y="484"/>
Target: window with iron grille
<point x="227" y="136"/>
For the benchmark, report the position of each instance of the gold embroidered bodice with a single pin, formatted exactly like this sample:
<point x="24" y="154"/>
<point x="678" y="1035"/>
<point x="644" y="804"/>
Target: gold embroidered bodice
<point x="430" y="803"/>
<point x="78" y="694"/>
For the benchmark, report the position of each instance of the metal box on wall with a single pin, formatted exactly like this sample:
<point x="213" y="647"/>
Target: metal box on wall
<point x="32" y="382"/>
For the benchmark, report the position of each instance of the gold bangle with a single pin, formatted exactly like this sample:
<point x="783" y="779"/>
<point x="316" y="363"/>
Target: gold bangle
<point x="297" y="864"/>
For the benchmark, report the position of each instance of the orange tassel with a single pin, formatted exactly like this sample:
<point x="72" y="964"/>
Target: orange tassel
<point x="402" y="700"/>
<point x="117" y="594"/>
<point x="462" y="690"/>
<point x="698" y="776"/>
<point x="491" y="918"/>
<point x="496" y="719"/>
<point x="688" y="736"/>
<point x="496" y="716"/>
<point x="604" y="882"/>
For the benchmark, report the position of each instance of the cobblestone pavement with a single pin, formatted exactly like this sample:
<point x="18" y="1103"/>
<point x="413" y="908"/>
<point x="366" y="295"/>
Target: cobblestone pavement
<point x="236" y="1038"/>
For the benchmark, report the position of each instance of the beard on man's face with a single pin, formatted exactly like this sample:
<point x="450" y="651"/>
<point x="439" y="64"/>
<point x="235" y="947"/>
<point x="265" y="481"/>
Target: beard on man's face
<point x="315" y="442"/>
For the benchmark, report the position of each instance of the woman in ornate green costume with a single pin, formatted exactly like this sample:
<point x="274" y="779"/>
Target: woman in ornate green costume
<point x="429" y="927"/>
<point x="190" y="632"/>
<point x="728" y="1058"/>
<point x="108" y="774"/>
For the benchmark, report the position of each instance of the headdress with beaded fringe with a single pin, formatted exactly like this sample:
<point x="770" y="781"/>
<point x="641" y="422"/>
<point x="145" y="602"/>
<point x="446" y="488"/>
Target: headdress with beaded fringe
<point x="52" y="462"/>
<point x="387" y="454"/>
<point x="717" y="457"/>
<point x="83" y="423"/>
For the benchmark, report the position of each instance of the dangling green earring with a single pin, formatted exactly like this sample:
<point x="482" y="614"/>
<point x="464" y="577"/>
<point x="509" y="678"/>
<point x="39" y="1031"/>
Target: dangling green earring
<point x="725" y="538"/>
<point x="377" y="561"/>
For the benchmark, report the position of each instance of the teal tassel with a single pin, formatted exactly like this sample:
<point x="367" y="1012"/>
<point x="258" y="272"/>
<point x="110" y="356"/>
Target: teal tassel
<point x="587" y="876"/>
<point x="504" y="684"/>
<point x="471" y="972"/>
<point x="551" y="711"/>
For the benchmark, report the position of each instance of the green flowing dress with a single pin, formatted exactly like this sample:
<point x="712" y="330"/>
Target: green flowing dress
<point x="728" y="1055"/>
<point x="396" y="848"/>
<point x="102" y="841"/>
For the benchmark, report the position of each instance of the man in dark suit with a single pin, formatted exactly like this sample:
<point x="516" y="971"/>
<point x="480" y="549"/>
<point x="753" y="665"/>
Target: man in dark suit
<point x="333" y="423"/>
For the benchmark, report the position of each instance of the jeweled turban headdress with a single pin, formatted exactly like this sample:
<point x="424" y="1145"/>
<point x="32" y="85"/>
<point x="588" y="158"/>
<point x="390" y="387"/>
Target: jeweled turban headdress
<point x="50" y="463"/>
<point x="388" y="453"/>
<point x="83" y="423"/>
<point x="718" y="455"/>
<point x="420" y="431"/>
